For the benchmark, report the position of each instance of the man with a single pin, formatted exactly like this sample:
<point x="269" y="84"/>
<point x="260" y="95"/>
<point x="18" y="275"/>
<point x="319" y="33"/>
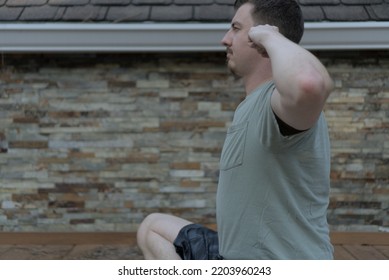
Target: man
<point x="273" y="187"/>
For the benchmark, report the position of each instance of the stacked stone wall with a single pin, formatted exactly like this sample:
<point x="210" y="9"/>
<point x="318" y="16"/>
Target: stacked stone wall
<point x="358" y="116"/>
<point x="95" y="142"/>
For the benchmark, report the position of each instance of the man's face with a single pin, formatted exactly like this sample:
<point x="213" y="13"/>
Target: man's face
<point x="241" y="57"/>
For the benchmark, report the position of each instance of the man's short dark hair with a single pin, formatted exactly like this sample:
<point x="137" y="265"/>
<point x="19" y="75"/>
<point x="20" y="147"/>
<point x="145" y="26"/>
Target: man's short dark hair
<point x="285" y="14"/>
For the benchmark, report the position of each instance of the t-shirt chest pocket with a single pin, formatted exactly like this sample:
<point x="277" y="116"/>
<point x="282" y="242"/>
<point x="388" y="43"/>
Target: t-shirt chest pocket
<point x="233" y="149"/>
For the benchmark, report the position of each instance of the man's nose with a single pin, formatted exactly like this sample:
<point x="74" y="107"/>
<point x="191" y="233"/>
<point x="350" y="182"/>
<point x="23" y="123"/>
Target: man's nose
<point x="226" y="39"/>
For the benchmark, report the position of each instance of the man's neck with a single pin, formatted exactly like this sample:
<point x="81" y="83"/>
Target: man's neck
<point x="261" y="76"/>
<point x="251" y="86"/>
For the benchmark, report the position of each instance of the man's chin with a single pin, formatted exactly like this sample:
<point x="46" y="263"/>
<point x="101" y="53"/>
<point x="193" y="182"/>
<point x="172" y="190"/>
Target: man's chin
<point x="233" y="70"/>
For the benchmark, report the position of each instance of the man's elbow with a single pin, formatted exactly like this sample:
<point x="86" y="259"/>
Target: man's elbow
<point x="316" y="88"/>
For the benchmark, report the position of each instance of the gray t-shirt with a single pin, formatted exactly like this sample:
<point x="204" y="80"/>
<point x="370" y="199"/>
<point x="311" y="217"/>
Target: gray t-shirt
<point x="273" y="190"/>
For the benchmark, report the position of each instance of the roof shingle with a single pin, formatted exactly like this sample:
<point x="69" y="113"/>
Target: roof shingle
<point x="176" y="10"/>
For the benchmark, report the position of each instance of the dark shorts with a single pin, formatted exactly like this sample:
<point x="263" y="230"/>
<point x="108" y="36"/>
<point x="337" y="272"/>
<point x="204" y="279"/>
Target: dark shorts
<point x="196" y="242"/>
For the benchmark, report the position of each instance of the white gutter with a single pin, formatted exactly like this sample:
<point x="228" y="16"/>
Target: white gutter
<point x="346" y="36"/>
<point x="157" y="37"/>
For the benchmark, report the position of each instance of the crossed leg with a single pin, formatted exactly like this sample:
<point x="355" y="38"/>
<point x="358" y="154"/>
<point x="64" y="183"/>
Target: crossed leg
<point x="156" y="235"/>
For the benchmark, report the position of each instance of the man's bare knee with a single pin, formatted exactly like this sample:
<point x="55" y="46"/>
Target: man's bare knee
<point x="162" y="228"/>
<point x="144" y="228"/>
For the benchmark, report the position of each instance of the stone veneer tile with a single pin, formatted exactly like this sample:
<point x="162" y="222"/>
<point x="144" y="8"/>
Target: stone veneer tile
<point x="100" y="141"/>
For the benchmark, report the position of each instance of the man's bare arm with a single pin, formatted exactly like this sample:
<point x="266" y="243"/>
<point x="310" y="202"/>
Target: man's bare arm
<point x="302" y="82"/>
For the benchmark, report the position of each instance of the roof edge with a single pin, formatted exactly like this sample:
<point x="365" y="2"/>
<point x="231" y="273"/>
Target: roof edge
<point x="169" y="37"/>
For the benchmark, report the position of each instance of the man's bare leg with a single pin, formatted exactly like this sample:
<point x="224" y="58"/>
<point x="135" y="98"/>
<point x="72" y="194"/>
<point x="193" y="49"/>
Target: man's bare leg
<point x="156" y="235"/>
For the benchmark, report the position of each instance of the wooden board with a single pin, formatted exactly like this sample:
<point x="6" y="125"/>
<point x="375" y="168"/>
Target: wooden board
<point x="64" y="238"/>
<point x="341" y="253"/>
<point x="383" y="249"/>
<point x="364" y="252"/>
<point x="36" y="252"/>
<point x="371" y="238"/>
